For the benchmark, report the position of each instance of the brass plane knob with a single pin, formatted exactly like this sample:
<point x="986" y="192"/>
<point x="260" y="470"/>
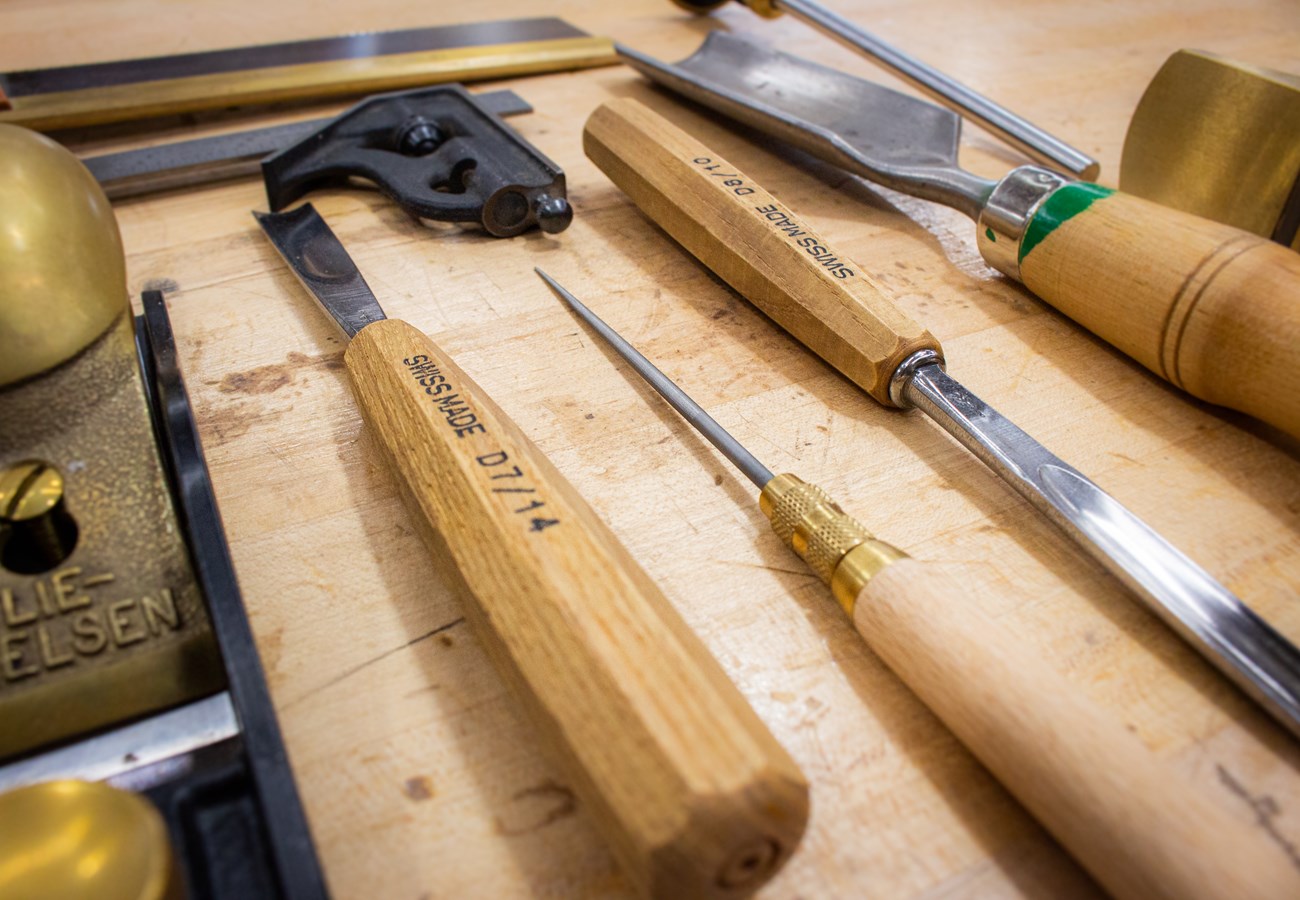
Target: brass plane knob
<point x="78" y="840"/>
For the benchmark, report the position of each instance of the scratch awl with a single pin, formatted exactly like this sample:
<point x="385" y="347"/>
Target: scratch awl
<point x="1138" y="826"/>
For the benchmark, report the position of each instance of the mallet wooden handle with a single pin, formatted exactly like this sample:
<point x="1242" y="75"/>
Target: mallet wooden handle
<point x="697" y="798"/>
<point x="1137" y="826"/>
<point x="1133" y="822"/>
<point x="1208" y="307"/>
<point x="755" y="244"/>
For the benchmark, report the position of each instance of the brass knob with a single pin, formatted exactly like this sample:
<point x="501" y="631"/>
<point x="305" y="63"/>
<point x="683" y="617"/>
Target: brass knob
<point x="77" y="839"/>
<point x="62" y="274"/>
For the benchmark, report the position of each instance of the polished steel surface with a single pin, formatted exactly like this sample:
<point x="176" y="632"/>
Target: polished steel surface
<point x="727" y="445"/>
<point x="1023" y="135"/>
<point x="130" y="747"/>
<point x="1007" y="213"/>
<point x="901" y="142"/>
<point x="323" y="265"/>
<point x="1243" y="646"/>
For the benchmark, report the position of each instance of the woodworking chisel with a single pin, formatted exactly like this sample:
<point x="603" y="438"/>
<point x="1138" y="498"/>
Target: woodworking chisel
<point x="1140" y="829"/>
<point x="693" y="793"/>
<point x="825" y="300"/>
<point x="1209" y="308"/>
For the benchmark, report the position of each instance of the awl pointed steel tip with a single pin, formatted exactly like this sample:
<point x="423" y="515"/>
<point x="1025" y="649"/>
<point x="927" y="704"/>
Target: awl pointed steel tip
<point x="728" y="446"/>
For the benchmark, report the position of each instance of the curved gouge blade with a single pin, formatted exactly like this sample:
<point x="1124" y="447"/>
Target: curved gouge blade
<point x="1207" y="615"/>
<point x="901" y="142"/>
<point x="693" y="793"/>
<point x="774" y="259"/>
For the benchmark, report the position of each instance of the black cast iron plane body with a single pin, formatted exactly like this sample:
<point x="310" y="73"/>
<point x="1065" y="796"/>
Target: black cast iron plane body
<point x="436" y="152"/>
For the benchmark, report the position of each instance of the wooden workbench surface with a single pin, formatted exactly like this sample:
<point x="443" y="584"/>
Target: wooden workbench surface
<point x="419" y="775"/>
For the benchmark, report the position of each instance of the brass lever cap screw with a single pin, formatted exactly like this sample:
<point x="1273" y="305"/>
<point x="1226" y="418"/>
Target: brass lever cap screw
<point x="29" y="490"/>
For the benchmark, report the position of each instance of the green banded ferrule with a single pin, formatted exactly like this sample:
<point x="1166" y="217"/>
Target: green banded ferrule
<point x="1025" y="207"/>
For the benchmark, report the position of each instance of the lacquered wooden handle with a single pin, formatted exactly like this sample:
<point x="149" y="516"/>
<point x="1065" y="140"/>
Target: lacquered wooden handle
<point x="1136" y="825"/>
<point x="1208" y="307"/>
<point x="755" y="244"/>
<point x="696" y="796"/>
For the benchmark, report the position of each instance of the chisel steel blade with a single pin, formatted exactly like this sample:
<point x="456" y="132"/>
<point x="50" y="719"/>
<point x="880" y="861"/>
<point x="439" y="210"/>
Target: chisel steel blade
<point x="903" y="143"/>
<point x="323" y="265"/>
<point x="1248" y="650"/>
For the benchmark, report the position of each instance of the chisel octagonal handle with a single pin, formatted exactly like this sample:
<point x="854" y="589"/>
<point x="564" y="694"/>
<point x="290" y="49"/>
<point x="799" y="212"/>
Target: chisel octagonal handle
<point x="1208" y="307"/>
<point x="755" y="244"/>
<point x="1133" y="822"/>
<point x="695" y="795"/>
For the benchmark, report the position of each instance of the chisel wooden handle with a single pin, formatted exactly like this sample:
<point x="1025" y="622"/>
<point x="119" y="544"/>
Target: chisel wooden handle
<point x="1051" y="747"/>
<point x="755" y="244"/>
<point x="1136" y="825"/>
<point x="695" y="795"/>
<point x="1210" y="308"/>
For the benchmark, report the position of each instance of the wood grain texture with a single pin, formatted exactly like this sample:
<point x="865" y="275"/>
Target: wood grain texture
<point x="420" y="774"/>
<point x="1211" y="308"/>
<point x="1138" y="826"/>
<point x="692" y="791"/>
<point x="759" y="247"/>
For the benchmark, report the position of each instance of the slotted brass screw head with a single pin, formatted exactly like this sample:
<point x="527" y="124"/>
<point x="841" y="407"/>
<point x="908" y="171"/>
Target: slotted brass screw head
<point x="29" y="490"/>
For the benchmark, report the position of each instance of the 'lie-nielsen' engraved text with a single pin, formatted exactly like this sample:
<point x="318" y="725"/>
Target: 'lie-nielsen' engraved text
<point x="780" y="219"/>
<point x="70" y="616"/>
<point x="464" y="422"/>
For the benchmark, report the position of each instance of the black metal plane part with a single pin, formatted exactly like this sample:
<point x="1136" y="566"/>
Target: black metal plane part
<point x="438" y="153"/>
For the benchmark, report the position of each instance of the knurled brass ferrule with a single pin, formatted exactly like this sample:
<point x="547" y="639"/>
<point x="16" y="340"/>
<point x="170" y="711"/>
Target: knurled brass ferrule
<point x="836" y="546"/>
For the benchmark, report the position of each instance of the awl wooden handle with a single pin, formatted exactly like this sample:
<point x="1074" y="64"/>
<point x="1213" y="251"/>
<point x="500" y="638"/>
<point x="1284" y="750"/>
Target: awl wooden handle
<point x="695" y="795"/>
<point x="1136" y="824"/>
<point x="755" y="244"/>
<point x="1208" y="307"/>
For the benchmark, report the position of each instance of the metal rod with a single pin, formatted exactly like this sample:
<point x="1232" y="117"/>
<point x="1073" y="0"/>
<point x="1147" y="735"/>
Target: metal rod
<point x="727" y="445"/>
<point x="1023" y="135"/>
<point x="1207" y="615"/>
